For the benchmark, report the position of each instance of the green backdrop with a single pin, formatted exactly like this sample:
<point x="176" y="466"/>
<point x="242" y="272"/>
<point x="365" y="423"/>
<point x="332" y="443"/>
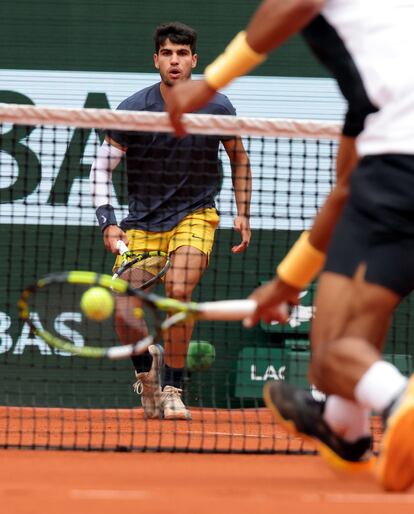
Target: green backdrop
<point x="99" y="35"/>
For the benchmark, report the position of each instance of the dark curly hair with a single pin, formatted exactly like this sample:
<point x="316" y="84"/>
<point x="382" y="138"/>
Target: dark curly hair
<point x="178" y="33"/>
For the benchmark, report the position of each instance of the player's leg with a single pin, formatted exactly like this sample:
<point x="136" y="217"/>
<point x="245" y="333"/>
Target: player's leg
<point x="341" y="355"/>
<point x="190" y="248"/>
<point x="352" y="367"/>
<point x="128" y="327"/>
<point x="370" y="260"/>
<point x="341" y="302"/>
<point x="354" y="312"/>
<point x="348" y="307"/>
<point x="147" y="366"/>
<point x="187" y="267"/>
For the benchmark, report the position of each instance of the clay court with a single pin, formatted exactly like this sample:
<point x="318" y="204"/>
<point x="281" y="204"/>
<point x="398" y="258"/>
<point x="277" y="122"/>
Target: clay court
<point x="66" y="482"/>
<point x="211" y="430"/>
<point x="78" y="482"/>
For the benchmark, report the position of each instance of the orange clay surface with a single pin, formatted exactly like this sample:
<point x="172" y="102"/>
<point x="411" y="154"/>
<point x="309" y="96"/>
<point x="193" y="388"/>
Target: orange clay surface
<point x="77" y="482"/>
<point x="47" y="482"/>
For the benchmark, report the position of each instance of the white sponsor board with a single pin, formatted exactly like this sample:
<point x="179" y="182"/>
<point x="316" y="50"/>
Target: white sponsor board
<point x="25" y="339"/>
<point x="290" y="179"/>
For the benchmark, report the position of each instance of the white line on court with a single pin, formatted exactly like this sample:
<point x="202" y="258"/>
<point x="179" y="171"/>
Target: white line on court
<point x="229" y="434"/>
<point x="107" y="494"/>
<point x="389" y="498"/>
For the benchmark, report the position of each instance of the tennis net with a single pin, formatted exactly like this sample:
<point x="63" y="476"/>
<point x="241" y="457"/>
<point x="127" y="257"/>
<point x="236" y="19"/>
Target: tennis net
<point x="50" y="399"/>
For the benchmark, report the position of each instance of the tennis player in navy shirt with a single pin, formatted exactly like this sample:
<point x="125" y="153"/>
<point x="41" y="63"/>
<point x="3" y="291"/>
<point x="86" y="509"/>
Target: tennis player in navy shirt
<point x="172" y="185"/>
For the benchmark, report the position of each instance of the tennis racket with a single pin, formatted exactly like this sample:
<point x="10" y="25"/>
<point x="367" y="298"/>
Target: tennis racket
<point x="51" y="307"/>
<point x="131" y="258"/>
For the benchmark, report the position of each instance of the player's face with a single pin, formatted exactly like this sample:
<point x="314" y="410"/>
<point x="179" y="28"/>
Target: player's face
<point x="175" y="62"/>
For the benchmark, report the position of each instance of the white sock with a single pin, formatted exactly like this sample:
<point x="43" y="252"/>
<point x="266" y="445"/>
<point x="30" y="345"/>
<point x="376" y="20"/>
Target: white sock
<point x="347" y="418"/>
<point x="379" y="386"/>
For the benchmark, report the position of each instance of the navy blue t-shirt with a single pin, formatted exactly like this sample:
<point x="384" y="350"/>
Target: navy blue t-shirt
<point x="168" y="178"/>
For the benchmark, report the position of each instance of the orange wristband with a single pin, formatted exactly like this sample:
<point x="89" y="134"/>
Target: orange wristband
<point x="302" y="264"/>
<point x="237" y="59"/>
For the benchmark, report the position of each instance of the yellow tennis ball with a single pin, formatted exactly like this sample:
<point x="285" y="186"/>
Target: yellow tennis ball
<point x="97" y="303"/>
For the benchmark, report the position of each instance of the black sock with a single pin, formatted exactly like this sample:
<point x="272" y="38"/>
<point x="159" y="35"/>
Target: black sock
<point x="142" y="363"/>
<point x="173" y="377"/>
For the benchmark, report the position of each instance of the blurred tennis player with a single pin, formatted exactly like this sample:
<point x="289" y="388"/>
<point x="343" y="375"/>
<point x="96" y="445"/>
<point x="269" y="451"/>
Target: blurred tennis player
<point x="369" y="267"/>
<point x="172" y="185"/>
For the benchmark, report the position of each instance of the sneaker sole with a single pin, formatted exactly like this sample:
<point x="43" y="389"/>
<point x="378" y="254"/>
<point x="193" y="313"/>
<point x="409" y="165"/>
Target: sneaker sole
<point x="185" y="416"/>
<point x="395" y="470"/>
<point x="151" y="415"/>
<point x="329" y="456"/>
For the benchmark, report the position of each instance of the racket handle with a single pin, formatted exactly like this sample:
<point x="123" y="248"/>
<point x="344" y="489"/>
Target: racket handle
<point x="230" y="310"/>
<point x="122" y="247"/>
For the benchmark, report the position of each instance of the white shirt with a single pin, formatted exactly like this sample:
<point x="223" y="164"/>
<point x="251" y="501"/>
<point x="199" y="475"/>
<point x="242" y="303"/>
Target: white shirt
<point x="379" y="35"/>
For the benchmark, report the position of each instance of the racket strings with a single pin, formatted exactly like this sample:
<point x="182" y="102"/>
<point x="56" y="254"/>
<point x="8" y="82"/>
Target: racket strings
<point x="156" y="263"/>
<point x="56" y="314"/>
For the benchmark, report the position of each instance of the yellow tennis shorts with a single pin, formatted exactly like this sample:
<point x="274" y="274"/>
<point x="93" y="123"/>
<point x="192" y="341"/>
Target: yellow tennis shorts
<point x="196" y="229"/>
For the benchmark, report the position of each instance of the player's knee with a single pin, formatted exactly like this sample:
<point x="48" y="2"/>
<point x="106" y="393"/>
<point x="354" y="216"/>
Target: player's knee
<point x="179" y="291"/>
<point x="130" y="336"/>
<point x="130" y="333"/>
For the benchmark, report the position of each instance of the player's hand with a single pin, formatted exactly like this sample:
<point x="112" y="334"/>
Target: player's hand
<point x="187" y="96"/>
<point x="242" y="225"/>
<point x="111" y="235"/>
<point x="271" y="299"/>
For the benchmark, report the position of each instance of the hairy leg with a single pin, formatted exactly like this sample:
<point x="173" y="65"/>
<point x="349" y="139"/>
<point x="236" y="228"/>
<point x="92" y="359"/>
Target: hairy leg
<point x="352" y="319"/>
<point x="187" y="267"/>
<point x="129" y="328"/>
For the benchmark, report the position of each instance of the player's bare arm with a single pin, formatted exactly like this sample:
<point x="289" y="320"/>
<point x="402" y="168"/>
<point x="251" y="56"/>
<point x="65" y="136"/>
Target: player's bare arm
<point x="329" y="213"/>
<point x="242" y="186"/>
<point x="270" y="296"/>
<point x="276" y="20"/>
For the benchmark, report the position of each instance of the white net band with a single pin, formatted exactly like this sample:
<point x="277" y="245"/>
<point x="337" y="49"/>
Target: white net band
<point x="153" y="121"/>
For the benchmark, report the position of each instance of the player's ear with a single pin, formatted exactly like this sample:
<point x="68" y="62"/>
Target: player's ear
<point x="156" y="64"/>
<point x="194" y="60"/>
